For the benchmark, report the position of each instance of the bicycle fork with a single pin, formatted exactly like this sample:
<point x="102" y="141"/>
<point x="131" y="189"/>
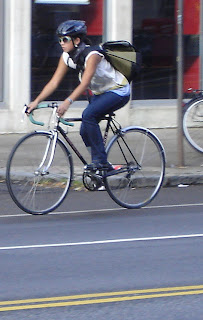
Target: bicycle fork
<point x="48" y="155"/>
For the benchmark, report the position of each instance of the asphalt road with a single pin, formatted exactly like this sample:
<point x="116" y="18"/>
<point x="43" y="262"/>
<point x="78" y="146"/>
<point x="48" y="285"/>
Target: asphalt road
<point x="94" y="260"/>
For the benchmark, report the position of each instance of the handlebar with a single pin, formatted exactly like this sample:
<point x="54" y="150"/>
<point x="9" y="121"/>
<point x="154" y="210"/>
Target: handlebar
<point x="42" y="106"/>
<point x="195" y="91"/>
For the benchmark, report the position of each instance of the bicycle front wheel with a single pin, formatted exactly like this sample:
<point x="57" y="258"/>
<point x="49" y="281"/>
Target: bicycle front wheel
<point x="36" y="184"/>
<point x="193" y="124"/>
<point x="139" y="161"/>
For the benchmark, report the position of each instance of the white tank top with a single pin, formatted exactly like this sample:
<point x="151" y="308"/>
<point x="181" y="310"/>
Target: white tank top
<point x="106" y="78"/>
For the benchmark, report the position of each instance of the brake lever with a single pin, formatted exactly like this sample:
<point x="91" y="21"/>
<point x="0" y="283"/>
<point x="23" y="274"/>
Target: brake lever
<point x="23" y="112"/>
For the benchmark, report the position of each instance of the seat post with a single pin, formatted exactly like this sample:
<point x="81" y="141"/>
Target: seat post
<point x="108" y="118"/>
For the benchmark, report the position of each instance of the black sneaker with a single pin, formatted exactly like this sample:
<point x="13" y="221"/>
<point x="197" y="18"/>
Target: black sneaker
<point x="99" y="166"/>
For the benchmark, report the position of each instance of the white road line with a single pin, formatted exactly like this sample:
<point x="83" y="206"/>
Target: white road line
<point x="71" y="244"/>
<point x="107" y="210"/>
<point x="62" y="212"/>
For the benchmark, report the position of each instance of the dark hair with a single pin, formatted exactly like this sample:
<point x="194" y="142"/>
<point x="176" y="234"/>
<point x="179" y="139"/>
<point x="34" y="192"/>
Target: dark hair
<point x="84" y="39"/>
<point x="87" y="41"/>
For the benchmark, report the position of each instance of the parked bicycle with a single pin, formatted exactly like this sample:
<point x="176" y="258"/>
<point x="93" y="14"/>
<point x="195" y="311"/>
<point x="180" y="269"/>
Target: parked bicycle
<point x="40" y="167"/>
<point x="193" y="120"/>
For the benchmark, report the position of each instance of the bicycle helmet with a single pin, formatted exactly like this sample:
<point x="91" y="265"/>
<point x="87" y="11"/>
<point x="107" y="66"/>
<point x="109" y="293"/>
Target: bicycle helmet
<point x="72" y="28"/>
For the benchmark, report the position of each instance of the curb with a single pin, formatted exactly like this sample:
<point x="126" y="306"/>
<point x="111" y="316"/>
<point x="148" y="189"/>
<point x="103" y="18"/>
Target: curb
<point x="172" y="177"/>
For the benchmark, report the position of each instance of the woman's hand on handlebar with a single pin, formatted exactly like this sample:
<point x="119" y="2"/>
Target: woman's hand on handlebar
<point x="63" y="107"/>
<point x="32" y="105"/>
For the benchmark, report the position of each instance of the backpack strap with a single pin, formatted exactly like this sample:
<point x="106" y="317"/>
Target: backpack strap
<point x="84" y="54"/>
<point x="81" y="62"/>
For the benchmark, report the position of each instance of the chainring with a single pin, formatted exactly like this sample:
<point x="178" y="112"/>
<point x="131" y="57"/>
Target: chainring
<point x="92" y="181"/>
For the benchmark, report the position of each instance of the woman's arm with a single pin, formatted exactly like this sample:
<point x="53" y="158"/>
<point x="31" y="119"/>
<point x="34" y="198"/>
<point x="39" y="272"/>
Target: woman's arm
<point x="51" y="86"/>
<point x="85" y="82"/>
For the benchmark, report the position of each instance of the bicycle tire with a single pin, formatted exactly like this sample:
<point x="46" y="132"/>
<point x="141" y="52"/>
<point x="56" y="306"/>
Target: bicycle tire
<point x="33" y="190"/>
<point x="138" y="158"/>
<point x="193" y="124"/>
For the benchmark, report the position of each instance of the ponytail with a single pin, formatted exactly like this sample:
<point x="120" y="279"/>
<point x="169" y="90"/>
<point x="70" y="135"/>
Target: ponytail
<point x="87" y="41"/>
<point x="84" y="39"/>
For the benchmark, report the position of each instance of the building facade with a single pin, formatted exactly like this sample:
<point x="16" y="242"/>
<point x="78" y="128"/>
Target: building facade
<point x="29" y="50"/>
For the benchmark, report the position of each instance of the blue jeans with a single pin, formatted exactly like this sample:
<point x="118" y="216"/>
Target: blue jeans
<point x="90" y="131"/>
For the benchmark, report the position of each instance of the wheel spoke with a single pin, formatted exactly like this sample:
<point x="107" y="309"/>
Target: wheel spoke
<point x="193" y="124"/>
<point x="135" y="183"/>
<point x="33" y="190"/>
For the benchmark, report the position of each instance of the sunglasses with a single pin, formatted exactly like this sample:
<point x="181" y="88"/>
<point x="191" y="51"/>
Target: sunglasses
<point x="65" y="39"/>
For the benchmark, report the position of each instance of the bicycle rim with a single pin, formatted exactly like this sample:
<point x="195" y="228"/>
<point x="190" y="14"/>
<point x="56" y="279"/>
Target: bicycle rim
<point x="139" y="162"/>
<point x="33" y="190"/>
<point x="193" y="125"/>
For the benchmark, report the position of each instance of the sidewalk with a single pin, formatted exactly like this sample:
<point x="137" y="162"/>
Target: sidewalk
<point x="191" y="173"/>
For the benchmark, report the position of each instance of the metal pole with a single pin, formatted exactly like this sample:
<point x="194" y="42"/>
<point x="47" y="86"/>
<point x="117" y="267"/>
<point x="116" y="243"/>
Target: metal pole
<point x="180" y="84"/>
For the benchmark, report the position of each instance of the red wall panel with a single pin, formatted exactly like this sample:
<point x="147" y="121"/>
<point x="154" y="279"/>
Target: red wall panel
<point x="191" y="17"/>
<point x="93" y="15"/>
<point x="191" y="26"/>
<point x="192" y="73"/>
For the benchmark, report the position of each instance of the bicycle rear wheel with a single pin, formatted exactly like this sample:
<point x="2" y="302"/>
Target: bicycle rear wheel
<point x="193" y="124"/>
<point x="139" y="162"/>
<point x="34" y="188"/>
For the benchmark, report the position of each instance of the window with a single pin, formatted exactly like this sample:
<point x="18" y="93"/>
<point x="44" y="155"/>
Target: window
<point x="45" y="47"/>
<point x="154" y="34"/>
<point x="1" y="50"/>
<point x="62" y="1"/>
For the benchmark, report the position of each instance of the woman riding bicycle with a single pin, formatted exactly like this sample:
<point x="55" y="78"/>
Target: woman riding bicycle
<point x="111" y="90"/>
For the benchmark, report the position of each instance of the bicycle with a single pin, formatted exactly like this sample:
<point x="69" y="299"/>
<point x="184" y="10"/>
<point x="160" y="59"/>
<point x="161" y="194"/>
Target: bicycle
<point x="39" y="181"/>
<point x="193" y="120"/>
